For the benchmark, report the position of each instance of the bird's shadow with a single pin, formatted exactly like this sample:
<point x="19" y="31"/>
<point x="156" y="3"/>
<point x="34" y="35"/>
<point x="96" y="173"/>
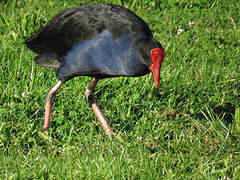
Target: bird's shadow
<point x="226" y="111"/>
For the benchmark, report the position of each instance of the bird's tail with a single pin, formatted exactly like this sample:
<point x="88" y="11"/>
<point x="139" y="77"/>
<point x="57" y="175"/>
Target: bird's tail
<point x="45" y="62"/>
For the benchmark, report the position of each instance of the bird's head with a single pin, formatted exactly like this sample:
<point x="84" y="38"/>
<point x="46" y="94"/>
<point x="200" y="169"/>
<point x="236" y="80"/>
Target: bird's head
<point x="153" y="54"/>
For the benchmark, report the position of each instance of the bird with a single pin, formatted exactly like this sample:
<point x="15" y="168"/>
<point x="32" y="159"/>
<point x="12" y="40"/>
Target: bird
<point x="99" y="41"/>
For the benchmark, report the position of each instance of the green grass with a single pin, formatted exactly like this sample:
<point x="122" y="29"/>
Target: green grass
<point x="188" y="128"/>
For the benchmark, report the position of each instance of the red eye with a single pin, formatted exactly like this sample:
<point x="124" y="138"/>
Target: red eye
<point x="163" y="52"/>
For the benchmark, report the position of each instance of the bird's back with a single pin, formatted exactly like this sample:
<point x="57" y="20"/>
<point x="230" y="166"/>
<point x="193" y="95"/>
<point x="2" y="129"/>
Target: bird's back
<point x="74" y="25"/>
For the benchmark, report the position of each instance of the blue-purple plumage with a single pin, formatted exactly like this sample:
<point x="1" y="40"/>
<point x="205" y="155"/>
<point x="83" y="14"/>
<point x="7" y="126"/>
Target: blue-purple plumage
<point x="103" y="56"/>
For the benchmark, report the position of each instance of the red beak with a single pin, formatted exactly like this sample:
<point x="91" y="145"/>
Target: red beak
<point x="157" y="56"/>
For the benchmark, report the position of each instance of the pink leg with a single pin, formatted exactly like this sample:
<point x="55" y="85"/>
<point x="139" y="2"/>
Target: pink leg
<point x="89" y="93"/>
<point x="49" y="103"/>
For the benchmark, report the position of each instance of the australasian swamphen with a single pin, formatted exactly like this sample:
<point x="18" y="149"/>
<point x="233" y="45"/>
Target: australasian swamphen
<point x="97" y="40"/>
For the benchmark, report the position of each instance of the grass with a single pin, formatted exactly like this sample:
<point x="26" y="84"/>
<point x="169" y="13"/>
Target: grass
<point x="187" y="129"/>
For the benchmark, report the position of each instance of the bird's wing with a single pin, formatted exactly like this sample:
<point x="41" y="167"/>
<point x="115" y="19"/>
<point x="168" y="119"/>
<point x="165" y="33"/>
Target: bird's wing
<point x="74" y="25"/>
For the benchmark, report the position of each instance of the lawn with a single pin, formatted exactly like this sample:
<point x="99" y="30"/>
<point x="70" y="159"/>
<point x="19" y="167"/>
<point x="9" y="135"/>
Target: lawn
<point x="188" y="128"/>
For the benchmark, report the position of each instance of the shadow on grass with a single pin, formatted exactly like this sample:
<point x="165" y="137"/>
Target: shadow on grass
<point x="226" y="111"/>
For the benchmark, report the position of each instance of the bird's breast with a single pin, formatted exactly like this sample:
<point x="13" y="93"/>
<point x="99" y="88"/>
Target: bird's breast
<point x="102" y="56"/>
